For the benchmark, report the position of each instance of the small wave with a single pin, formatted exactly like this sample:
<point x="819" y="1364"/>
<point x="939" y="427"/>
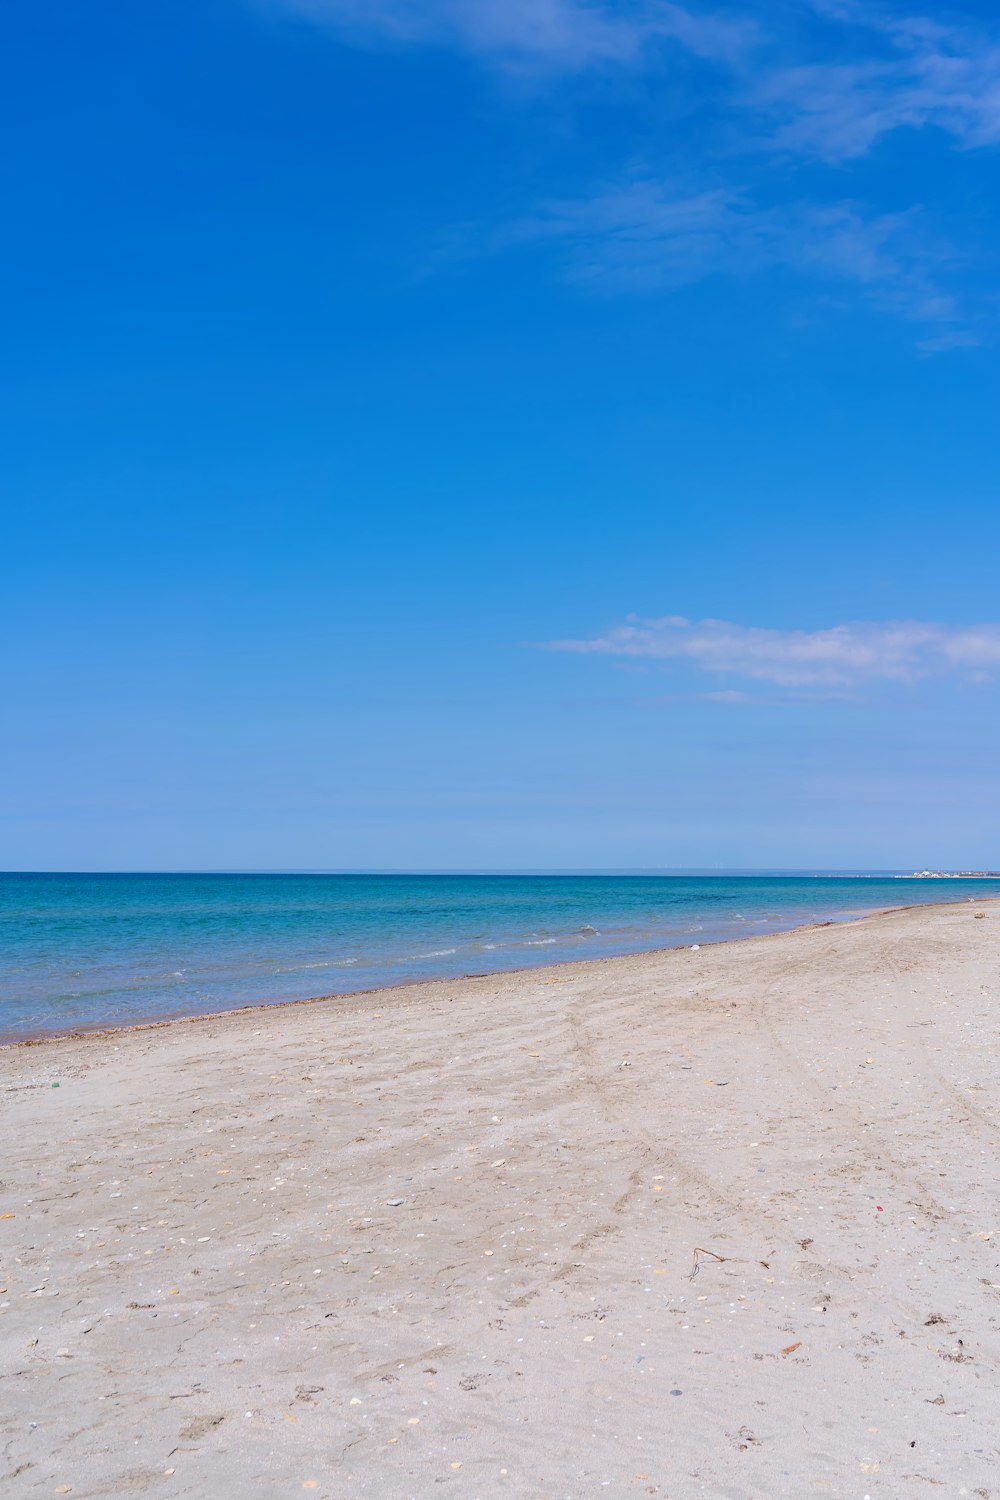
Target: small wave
<point x="489" y="946"/>
<point x="435" y="953"/>
<point x="331" y="963"/>
<point x="539" y="942"/>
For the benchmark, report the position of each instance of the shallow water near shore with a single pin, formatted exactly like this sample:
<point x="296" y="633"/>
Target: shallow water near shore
<point x="82" y="951"/>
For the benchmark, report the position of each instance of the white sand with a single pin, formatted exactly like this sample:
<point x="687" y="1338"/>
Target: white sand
<point x="210" y="1290"/>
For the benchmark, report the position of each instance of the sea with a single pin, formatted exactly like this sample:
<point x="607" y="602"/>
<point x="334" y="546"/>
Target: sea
<point x="79" y="952"/>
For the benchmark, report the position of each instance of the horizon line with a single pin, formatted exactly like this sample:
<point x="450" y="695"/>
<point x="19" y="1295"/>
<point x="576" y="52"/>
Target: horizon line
<point x="849" y="871"/>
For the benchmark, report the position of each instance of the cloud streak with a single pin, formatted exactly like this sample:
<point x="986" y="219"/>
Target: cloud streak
<point x="843" y="656"/>
<point x="642" y="236"/>
<point x="796" y="88"/>
<point x="556" y="35"/>
<point x="908" y="74"/>
<point x="776" y="91"/>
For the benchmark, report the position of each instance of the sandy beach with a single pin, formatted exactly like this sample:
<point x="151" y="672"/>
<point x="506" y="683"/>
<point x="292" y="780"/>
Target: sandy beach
<point x="721" y="1222"/>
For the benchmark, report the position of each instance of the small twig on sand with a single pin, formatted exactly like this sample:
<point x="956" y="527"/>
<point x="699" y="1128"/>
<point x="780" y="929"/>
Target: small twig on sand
<point x="699" y="1252"/>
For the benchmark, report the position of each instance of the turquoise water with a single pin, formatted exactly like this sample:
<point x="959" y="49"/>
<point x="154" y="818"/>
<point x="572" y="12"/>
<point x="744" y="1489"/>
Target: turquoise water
<point x="81" y="951"/>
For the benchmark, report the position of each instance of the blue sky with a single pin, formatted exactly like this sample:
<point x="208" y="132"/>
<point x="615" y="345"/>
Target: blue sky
<point x="511" y="434"/>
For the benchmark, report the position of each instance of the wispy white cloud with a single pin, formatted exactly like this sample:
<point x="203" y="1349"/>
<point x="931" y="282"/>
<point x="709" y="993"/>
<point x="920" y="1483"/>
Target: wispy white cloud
<point x="901" y="74"/>
<point x="565" y="35"/>
<point x="951" y="338"/>
<point x="870" y="73"/>
<point x="820" y="80"/>
<point x="843" y="656"/>
<point x="642" y="236"/>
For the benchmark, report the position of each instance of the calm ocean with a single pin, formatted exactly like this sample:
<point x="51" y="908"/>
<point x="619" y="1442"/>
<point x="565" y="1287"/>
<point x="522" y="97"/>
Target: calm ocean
<point x="81" y="951"/>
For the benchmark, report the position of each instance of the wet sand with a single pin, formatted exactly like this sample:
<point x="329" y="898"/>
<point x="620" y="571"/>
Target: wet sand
<point x="441" y="1239"/>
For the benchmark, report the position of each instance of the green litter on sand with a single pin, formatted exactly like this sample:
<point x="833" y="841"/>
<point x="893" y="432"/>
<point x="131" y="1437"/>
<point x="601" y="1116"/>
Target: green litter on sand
<point x="55" y="1085"/>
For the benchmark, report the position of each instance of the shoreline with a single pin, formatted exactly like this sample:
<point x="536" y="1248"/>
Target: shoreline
<point x="681" y="1225"/>
<point x="39" y="1039"/>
